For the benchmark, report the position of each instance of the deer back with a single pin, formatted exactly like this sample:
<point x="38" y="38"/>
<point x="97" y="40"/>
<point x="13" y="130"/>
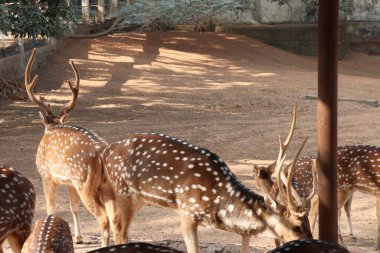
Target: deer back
<point x="17" y="202"/>
<point x="310" y="246"/>
<point x="136" y="248"/>
<point x="69" y="154"/>
<point x="358" y="167"/>
<point x="174" y="173"/>
<point x="50" y="234"/>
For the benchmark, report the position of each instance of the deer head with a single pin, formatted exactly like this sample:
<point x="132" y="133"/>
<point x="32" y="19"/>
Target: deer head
<point x="285" y="205"/>
<point x="47" y="116"/>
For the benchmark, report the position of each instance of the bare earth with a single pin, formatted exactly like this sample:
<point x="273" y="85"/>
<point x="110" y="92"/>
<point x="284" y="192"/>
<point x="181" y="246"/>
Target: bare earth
<point x="229" y="93"/>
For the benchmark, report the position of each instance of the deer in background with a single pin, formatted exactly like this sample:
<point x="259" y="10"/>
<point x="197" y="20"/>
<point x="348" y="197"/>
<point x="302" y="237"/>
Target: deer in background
<point x="17" y="202"/>
<point x="50" y="234"/>
<point x="358" y="167"/>
<point x="165" y="171"/>
<point x="136" y="248"/>
<point x="70" y="155"/>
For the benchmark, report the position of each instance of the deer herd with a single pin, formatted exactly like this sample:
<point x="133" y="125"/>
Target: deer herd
<point x="115" y="180"/>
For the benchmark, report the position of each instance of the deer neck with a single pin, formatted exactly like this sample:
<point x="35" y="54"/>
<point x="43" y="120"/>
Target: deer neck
<point x="245" y="213"/>
<point x="242" y="211"/>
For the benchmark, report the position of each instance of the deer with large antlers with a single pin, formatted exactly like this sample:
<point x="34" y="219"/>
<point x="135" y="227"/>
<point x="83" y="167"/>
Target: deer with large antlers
<point x="357" y="170"/>
<point x="169" y="172"/>
<point x="70" y="155"/>
<point x="50" y="234"/>
<point x="17" y="201"/>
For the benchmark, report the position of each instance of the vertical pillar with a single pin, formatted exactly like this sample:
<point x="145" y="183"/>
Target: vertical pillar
<point x="101" y="13"/>
<point x="86" y="11"/>
<point x="114" y="4"/>
<point x="328" y="27"/>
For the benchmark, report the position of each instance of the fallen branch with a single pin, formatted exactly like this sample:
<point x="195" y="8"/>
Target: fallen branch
<point x="369" y="102"/>
<point x="95" y="35"/>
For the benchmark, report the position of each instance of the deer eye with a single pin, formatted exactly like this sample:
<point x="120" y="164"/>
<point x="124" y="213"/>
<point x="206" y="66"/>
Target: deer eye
<point x="297" y="229"/>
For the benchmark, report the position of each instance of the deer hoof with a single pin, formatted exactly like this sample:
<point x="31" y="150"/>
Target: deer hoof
<point x="78" y="240"/>
<point x="353" y="237"/>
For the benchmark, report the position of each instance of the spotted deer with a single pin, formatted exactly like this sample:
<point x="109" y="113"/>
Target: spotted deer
<point x="310" y="246"/>
<point x="162" y="170"/>
<point x="358" y="167"/>
<point x="50" y="234"/>
<point x="140" y="247"/>
<point x="17" y="202"/>
<point x="70" y="155"/>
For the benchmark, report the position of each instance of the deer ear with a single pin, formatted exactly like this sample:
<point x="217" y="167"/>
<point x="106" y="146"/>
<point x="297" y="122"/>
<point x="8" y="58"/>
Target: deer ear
<point x="271" y="168"/>
<point x="43" y="118"/>
<point x="255" y="171"/>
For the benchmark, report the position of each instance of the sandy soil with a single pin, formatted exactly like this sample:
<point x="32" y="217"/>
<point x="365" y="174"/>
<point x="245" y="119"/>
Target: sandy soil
<point x="229" y="93"/>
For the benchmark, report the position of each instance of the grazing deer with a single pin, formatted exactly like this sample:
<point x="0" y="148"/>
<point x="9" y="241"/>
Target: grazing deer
<point x="17" y="201"/>
<point x="310" y="246"/>
<point x="165" y="171"/>
<point x="357" y="170"/>
<point x="136" y="248"/>
<point x="69" y="155"/>
<point x="50" y="234"/>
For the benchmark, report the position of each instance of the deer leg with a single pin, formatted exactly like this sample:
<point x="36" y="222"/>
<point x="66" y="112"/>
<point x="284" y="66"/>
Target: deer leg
<point x="245" y="244"/>
<point x="15" y="242"/>
<point x="50" y="190"/>
<point x="109" y="200"/>
<point x="378" y="222"/>
<point x="128" y="208"/>
<point x="91" y="199"/>
<point x="347" y="209"/>
<point x="190" y="235"/>
<point x="343" y="196"/>
<point x="340" y="237"/>
<point x="74" y="204"/>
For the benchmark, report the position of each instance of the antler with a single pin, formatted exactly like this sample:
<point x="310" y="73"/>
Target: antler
<point x="284" y="146"/>
<point x="30" y="85"/>
<point x="281" y="158"/>
<point x="66" y="108"/>
<point x="75" y="91"/>
<point x="289" y="187"/>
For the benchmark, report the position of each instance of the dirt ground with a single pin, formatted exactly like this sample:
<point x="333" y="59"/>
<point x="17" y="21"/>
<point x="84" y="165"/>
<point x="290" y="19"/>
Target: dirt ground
<point x="229" y="93"/>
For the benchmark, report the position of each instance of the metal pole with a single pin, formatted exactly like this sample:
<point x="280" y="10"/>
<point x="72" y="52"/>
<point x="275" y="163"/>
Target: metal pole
<point x="328" y="27"/>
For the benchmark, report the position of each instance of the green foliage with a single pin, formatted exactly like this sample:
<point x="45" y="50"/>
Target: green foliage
<point x="46" y="18"/>
<point x="162" y="14"/>
<point x="27" y="20"/>
<point x="58" y="17"/>
<point x="4" y="19"/>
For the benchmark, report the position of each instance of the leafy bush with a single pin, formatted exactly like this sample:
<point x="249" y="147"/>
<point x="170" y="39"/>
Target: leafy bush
<point x="46" y="18"/>
<point x="4" y="19"/>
